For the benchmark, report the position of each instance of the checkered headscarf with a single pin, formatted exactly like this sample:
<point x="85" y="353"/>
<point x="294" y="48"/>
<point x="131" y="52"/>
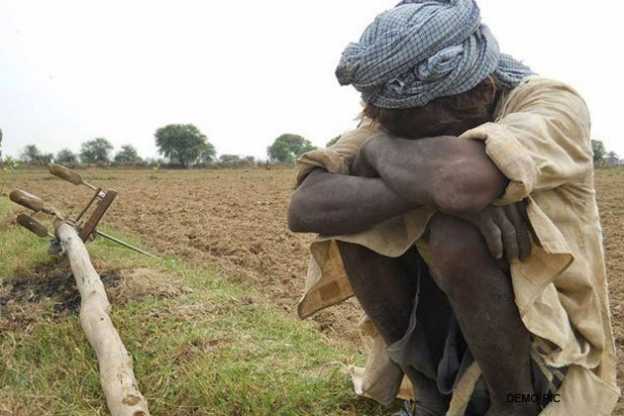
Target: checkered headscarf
<point x="425" y="49"/>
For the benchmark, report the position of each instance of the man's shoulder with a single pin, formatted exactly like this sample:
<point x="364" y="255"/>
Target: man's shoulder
<point x="357" y="136"/>
<point x="541" y="87"/>
<point x="536" y="81"/>
<point x="548" y="97"/>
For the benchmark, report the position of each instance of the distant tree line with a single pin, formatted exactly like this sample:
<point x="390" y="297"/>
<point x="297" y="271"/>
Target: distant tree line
<point x="98" y="151"/>
<point x="603" y="158"/>
<point x="180" y="145"/>
<point x="185" y="146"/>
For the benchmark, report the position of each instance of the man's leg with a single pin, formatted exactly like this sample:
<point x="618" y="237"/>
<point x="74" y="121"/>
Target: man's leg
<point x="482" y="298"/>
<point x="386" y="288"/>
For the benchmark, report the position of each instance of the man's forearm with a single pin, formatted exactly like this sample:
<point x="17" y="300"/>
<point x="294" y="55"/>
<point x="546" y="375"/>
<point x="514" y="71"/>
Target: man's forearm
<point x="452" y="175"/>
<point x="331" y="204"/>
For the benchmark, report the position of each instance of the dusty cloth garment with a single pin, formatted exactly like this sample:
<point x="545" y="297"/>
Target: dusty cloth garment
<point x="540" y="140"/>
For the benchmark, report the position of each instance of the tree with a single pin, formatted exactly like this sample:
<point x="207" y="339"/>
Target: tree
<point x="333" y="141"/>
<point x="230" y="159"/>
<point x="96" y="151"/>
<point x="31" y="154"/>
<point x="207" y="154"/>
<point x="613" y="159"/>
<point x="236" y="161"/>
<point x="287" y="147"/>
<point x="599" y="151"/>
<point x="45" y="159"/>
<point x="66" y="157"/>
<point x="128" y="155"/>
<point x="183" y="143"/>
<point x="0" y="148"/>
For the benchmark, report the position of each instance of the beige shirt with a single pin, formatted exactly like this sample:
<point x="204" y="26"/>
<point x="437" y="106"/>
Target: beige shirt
<point x="540" y="140"/>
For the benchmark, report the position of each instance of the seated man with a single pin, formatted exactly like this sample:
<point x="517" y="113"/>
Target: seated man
<point x="462" y="215"/>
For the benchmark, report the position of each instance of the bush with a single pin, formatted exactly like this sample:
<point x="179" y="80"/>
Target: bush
<point x="67" y="158"/>
<point x="128" y="156"/>
<point x="96" y="151"/>
<point x="287" y="147"/>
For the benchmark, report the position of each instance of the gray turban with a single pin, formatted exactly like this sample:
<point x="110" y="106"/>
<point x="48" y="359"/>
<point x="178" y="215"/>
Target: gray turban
<point x="425" y="49"/>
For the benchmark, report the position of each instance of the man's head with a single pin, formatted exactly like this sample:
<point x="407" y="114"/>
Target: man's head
<point x="445" y="116"/>
<point x="428" y="53"/>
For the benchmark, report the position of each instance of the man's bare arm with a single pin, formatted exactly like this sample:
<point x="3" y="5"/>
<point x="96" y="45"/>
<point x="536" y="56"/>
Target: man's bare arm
<point x="451" y="175"/>
<point x="332" y="204"/>
<point x="454" y="176"/>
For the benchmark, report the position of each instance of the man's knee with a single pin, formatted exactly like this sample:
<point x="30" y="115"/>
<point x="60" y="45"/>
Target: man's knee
<point x="457" y="252"/>
<point x="357" y="256"/>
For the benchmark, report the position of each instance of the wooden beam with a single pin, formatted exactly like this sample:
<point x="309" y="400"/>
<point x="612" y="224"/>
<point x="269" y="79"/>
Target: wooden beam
<point x="115" y="363"/>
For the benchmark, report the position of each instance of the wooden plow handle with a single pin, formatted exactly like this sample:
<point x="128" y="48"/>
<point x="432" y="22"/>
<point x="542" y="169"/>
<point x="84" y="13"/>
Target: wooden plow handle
<point x="65" y="174"/>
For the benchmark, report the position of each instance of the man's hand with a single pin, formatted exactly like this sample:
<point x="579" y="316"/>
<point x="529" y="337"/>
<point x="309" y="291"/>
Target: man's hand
<point x="505" y="229"/>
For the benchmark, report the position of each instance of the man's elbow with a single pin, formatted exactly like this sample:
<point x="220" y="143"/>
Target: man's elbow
<point x="296" y="214"/>
<point x="306" y="206"/>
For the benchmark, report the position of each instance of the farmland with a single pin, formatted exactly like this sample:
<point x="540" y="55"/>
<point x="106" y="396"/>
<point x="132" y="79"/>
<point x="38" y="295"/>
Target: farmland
<point x="235" y="219"/>
<point x="235" y="222"/>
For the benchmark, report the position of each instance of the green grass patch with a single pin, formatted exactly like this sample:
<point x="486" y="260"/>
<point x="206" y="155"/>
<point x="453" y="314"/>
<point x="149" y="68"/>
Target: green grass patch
<point x="212" y="348"/>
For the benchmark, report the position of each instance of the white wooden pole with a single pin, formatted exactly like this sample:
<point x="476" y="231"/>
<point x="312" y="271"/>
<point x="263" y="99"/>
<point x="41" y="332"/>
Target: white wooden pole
<point x="115" y="363"/>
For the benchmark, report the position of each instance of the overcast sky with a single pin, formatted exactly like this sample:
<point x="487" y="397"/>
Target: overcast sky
<point x="246" y="71"/>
